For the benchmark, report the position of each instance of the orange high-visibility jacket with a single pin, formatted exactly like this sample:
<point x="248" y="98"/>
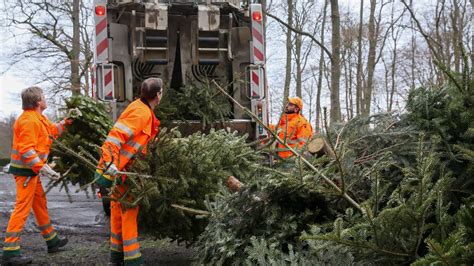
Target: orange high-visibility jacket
<point x="32" y="142"/>
<point x="296" y="130"/>
<point x="136" y="126"/>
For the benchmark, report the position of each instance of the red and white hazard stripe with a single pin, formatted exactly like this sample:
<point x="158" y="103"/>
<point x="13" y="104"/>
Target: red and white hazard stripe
<point x="108" y="82"/>
<point x="258" y="51"/>
<point x="101" y="38"/>
<point x="257" y="34"/>
<point x="257" y="69"/>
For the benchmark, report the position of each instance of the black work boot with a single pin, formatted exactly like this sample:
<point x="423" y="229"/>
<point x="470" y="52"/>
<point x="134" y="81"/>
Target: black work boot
<point x="17" y="260"/>
<point x="116" y="258"/>
<point x="58" y="247"/>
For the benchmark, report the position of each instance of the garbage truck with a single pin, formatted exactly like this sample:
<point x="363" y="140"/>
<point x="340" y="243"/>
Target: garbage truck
<point x="182" y="42"/>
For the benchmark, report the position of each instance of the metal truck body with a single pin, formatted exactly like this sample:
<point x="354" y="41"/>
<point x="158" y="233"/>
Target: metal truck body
<point x="182" y="42"/>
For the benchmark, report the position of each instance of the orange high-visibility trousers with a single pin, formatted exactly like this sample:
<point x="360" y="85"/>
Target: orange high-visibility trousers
<point x="124" y="246"/>
<point x="28" y="197"/>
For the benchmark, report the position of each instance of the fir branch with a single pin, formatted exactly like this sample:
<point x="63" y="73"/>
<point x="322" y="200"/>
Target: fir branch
<point x="191" y="210"/>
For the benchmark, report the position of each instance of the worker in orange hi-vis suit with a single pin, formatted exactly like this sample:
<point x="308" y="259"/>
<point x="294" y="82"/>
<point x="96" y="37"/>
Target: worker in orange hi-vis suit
<point x="293" y="128"/>
<point x="136" y="126"/>
<point x="32" y="134"/>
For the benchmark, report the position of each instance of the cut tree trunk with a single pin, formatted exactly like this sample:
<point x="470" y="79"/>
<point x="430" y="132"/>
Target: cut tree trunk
<point x="319" y="147"/>
<point x="233" y="184"/>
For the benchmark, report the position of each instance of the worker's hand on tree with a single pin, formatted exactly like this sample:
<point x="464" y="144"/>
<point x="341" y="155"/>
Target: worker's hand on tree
<point x="46" y="170"/>
<point x="73" y="113"/>
<point x="112" y="170"/>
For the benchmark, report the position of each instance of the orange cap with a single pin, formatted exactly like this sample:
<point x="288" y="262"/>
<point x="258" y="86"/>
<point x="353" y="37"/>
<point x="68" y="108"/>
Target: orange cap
<point x="296" y="101"/>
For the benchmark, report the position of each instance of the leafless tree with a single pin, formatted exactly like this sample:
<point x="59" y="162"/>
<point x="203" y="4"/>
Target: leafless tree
<point x="56" y="37"/>
<point x="320" y="69"/>
<point x="6" y="136"/>
<point x="335" y="114"/>
<point x="289" y="44"/>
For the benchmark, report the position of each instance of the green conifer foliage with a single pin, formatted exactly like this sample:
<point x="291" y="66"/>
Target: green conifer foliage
<point x="200" y="101"/>
<point x="186" y="172"/>
<point x="412" y="173"/>
<point x="85" y="135"/>
<point x="447" y="113"/>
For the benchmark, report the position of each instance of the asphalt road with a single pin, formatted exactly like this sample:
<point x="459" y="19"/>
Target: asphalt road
<point x="84" y="211"/>
<point x="87" y="227"/>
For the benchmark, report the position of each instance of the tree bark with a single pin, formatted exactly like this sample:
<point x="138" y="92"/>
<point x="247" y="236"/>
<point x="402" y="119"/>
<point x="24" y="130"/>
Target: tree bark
<point x="393" y="70"/>
<point x="286" y="91"/>
<point x="299" y="62"/>
<point x="335" y="115"/>
<point x="76" y="46"/>
<point x="457" y="37"/>
<point x="367" y="92"/>
<point x="472" y="36"/>
<point x="321" y="66"/>
<point x="359" y="61"/>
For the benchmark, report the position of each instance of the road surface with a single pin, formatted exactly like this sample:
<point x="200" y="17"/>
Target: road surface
<point x="85" y="224"/>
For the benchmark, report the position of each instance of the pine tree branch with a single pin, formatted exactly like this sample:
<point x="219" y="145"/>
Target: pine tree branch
<point x="91" y="165"/>
<point x="190" y="210"/>
<point x="338" y="161"/>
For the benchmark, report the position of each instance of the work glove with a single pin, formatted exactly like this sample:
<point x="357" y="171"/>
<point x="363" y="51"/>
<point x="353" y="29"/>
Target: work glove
<point x="46" y="170"/>
<point x="112" y="170"/>
<point x="73" y="113"/>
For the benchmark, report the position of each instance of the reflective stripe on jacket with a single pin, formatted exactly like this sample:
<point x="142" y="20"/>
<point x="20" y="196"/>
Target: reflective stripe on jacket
<point x="136" y="126"/>
<point x="32" y="142"/>
<point x="295" y="130"/>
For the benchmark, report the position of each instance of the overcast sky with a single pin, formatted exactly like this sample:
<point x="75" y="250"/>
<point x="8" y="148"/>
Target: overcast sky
<point x="14" y="80"/>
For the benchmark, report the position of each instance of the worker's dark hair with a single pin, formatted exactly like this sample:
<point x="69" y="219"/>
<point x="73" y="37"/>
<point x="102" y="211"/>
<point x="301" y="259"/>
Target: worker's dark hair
<point x="150" y="87"/>
<point x="30" y="97"/>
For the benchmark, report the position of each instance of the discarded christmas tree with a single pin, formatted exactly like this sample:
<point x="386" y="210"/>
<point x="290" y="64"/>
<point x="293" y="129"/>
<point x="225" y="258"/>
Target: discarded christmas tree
<point x="177" y="171"/>
<point x="186" y="172"/>
<point x="409" y="172"/>
<point x="85" y="135"/>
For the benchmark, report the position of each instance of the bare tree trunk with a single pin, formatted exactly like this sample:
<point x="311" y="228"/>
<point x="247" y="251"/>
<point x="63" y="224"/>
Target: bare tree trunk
<point x="335" y="115"/>
<point x="351" y="100"/>
<point x="472" y="36"/>
<point x="444" y="54"/>
<point x="367" y="92"/>
<point x="457" y="38"/>
<point x="321" y="65"/>
<point x="76" y="46"/>
<point x="413" y="50"/>
<point x="393" y="70"/>
<point x="359" y="61"/>
<point x="286" y="91"/>
<point x="299" y="62"/>
<point x="346" y="58"/>
<point x="386" y="87"/>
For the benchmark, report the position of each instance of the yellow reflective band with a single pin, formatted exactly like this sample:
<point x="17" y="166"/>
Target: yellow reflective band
<point x="19" y="165"/>
<point x="108" y="177"/>
<point x="132" y="253"/>
<point x="47" y="237"/>
<point x="132" y="257"/>
<point x="11" y="248"/>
